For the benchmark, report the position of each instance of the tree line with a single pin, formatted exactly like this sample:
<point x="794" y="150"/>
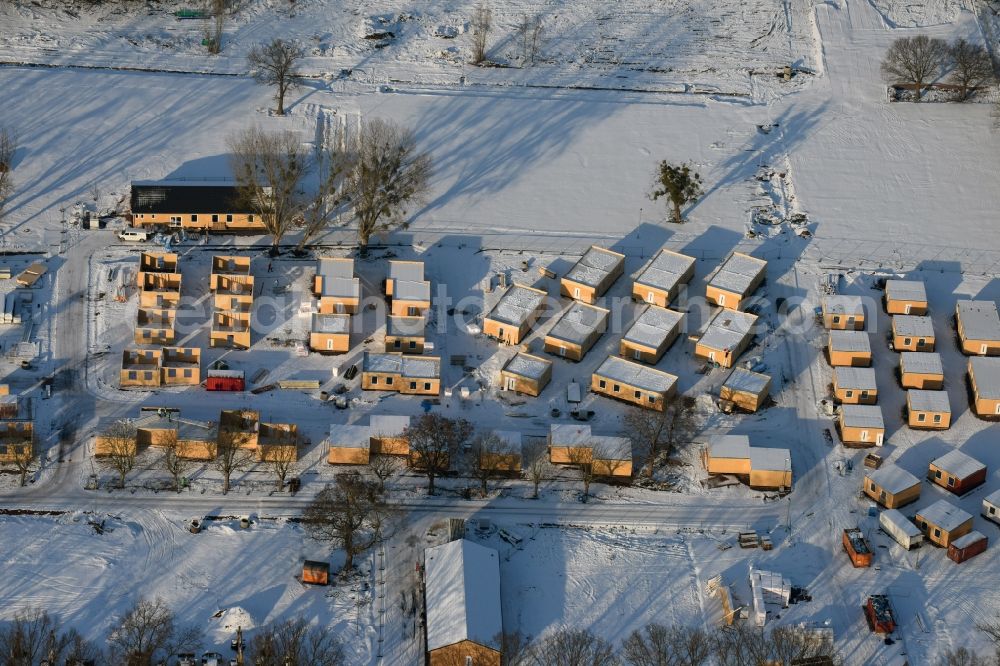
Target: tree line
<point x="919" y="60"/>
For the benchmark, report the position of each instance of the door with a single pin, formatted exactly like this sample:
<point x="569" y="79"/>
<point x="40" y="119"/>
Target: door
<point x="340" y="308"/>
<point x="329" y="343"/>
<point x="576" y="292"/>
<point x="562" y="352"/>
<point x="998" y="408"/>
<point x="878" y="439"/>
<point x="982" y="349"/>
<point x="511" y="383"/>
<point x="650" y="297"/>
<point x="711" y="356"/>
<point x="906" y="308"/>
<point x="637" y="355"/>
<point x="864" y="435"/>
<point x="722" y="299"/>
<point x="411" y="311"/>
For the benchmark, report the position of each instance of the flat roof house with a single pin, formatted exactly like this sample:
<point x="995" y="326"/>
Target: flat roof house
<point x="154" y="326"/>
<point x="190" y="205"/>
<point x="197" y="440"/>
<point x="140" y="368"/>
<point x="921" y="370"/>
<point x="759" y="467"/>
<point x="651" y="335"/>
<point x="844" y="312"/>
<point x="278" y="442"/>
<point x="943" y="522"/>
<point x="633" y="382"/>
<point x="180" y="366"/>
<point x="462" y="598"/>
<point x="403" y="270"/>
<point x="388" y="434"/>
<point x="735" y="281"/>
<point x="913" y="333"/>
<point x="849" y="348"/>
<point x="891" y="486"/>
<point x="957" y="472"/>
<point x="576" y="330"/>
<point x="230" y="328"/>
<point x="570" y="443"/>
<point x="348" y="445"/>
<point x="928" y="410"/>
<point x="416" y="375"/>
<point x="659" y="281"/>
<point x="410" y="299"/>
<point x="984" y="383"/>
<point x="526" y="373"/>
<point x="406" y="335"/>
<point x="978" y="327"/>
<point x="908" y="297"/>
<point x="336" y="287"/>
<point x="507" y="458"/>
<point x="330" y="333"/>
<point x="592" y="274"/>
<point x="745" y="389"/>
<point x="159" y="290"/>
<point x="611" y="456"/>
<point x="855" y="386"/>
<point x="727" y="336"/>
<point x="861" y="425"/>
<point x="511" y="318"/>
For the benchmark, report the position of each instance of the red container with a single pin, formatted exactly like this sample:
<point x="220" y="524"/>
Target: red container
<point x="225" y="380"/>
<point x="967" y="547"/>
<point x="879" y="614"/>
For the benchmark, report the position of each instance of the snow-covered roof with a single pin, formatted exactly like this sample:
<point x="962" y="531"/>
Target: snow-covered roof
<point x="738" y="273"/>
<point x="944" y="514"/>
<point x="770" y="460"/>
<point x="512" y="438"/>
<point x="462" y="595"/>
<point x="844" y="305"/>
<point x="862" y="416"/>
<point x="892" y="479"/>
<point x="594" y="266"/>
<point x="411" y="290"/>
<point x="729" y="446"/>
<point x="408" y="271"/>
<point x="407" y="366"/>
<point x="331" y="267"/>
<point x="653" y="326"/>
<point x="896" y="518"/>
<point x="745" y="381"/>
<point x="405" y="327"/>
<point x="958" y="464"/>
<point x="349" y="437"/>
<point x="387" y="425"/>
<point x="861" y="379"/>
<point x="923" y="363"/>
<point x="967" y="540"/>
<point x="340" y="287"/>
<point x="578" y="322"/>
<point x="331" y="323"/>
<point x="636" y="375"/>
<point x="913" y="326"/>
<point x="569" y="434"/>
<point x="611" y="448"/>
<point x="728" y="330"/>
<point x="921" y="400"/>
<point x="993" y="498"/>
<point x="980" y="320"/>
<point x="517" y="304"/>
<point x="665" y="270"/>
<point x="986" y="370"/>
<point x="526" y="365"/>
<point x="850" y="341"/>
<point x="906" y="290"/>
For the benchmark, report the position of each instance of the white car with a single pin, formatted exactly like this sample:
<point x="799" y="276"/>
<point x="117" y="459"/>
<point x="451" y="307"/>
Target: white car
<point x="133" y="235"/>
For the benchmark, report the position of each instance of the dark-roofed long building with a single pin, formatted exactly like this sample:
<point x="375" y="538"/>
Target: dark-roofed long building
<point x="191" y="205"/>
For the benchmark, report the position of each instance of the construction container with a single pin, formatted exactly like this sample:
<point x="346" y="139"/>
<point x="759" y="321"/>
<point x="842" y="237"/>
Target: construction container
<point x="879" y="614"/>
<point x="857" y="548"/>
<point x="225" y="380"/>
<point x="896" y="525"/>
<point x="316" y="573"/>
<point x="967" y="547"/>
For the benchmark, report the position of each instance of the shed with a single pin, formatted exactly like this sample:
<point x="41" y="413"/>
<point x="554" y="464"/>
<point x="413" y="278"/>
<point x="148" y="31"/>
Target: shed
<point x="727" y="336"/>
<point x="861" y="425"/>
<point x="891" y="486"/>
<point x="633" y="382"/>
<point x="511" y="318"/>
<point x="316" y="573"/>
<point x="991" y="507"/>
<point x="349" y="445"/>
<point x="728" y="454"/>
<point x="957" y="472"/>
<point x="843" y="312"/>
<point x="905" y="297"/>
<point x="576" y="330"/>
<point x="921" y="370"/>
<point x="978" y="327"/>
<point x="855" y="386"/>
<point x="507" y="458"/>
<point x="984" y="384"/>
<point x="569" y="443"/>
<point x="760" y="467"/>
<point x="526" y="373"/>
<point x="336" y="287"/>
<point x="735" y="281"/>
<point x="770" y="468"/>
<point x="407" y="335"/>
<point x="651" y="335"/>
<point x="611" y="456"/>
<point x="928" y="410"/>
<point x="659" y="280"/>
<point x="913" y="333"/>
<point x="592" y="274"/>
<point x="943" y="522"/>
<point x="462" y="601"/>
<point x="388" y="434"/>
<point x="899" y="527"/>
<point x="966" y="547"/>
<point x="746" y="389"/>
<point x="849" y="348"/>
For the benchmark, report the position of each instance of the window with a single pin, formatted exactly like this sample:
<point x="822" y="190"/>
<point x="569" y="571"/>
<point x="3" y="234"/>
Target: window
<point x="413" y="344"/>
<point x="427" y="386"/>
<point x="638" y="395"/>
<point x="194" y="218"/>
<point x="171" y="372"/>
<point x="601" y="383"/>
<point x="652" y="399"/>
<point x="872" y="486"/>
<point x="836" y="319"/>
<point x="864" y="395"/>
<point x="951" y="480"/>
<point x="374" y="380"/>
<point x="396" y="344"/>
<point x="921" y="417"/>
<point x="229" y="218"/>
<point x="993" y="510"/>
<point x="133" y="374"/>
<point x="937" y="418"/>
<point x="907" y="342"/>
<point x="616" y="388"/>
<point x="215" y="218"/>
<point x="937" y="474"/>
<point x="146" y="333"/>
<point x="468" y="661"/>
<point x="413" y="386"/>
<point x="388" y="381"/>
<point x="187" y="373"/>
<point x="937" y="532"/>
<point x="250" y="217"/>
<point x="849" y="394"/>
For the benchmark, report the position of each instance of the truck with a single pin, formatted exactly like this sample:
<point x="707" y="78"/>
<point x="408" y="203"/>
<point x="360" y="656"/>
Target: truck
<point x="896" y="525"/>
<point x="857" y="548"/>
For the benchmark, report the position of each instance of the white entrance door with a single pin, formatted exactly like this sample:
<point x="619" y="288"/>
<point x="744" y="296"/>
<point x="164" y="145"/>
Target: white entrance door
<point x="511" y="383"/>
<point x="636" y="354"/>
<point x="982" y="349"/>
<point x="576" y="292"/>
<point x="864" y="435"/>
<point x="650" y="297"/>
<point x="998" y="408"/>
<point x="878" y="439"/>
<point x="340" y="308"/>
<point x="329" y="343"/>
<point x="562" y="351"/>
<point x="722" y="299"/>
<point x="711" y="356"/>
<point x="906" y="308"/>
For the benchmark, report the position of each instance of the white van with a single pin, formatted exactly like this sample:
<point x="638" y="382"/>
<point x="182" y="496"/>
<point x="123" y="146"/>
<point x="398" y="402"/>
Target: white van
<point x="133" y="235"/>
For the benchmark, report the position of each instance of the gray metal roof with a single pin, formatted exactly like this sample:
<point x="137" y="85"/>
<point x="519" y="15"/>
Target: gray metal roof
<point x="594" y="266"/>
<point x="746" y="381"/>
<point x="844" y="305"/>
<point x="340" y="287"/>
<point x="850" y="341"/>
<point x="636" y="375"/>
<point x="331" y="323"/>
<point x="729" y="446"/>
<point x="665" y="270"/>
<point x="770" y="460"/>
<point x="861" y="379"/>
<point x="578" y="322"/>
<point x="862" y="416"/>
<point x="418" y="367"/>
<point x="330" y="267"/>
<point x="528" y="366"/>
<point x="958" y="464"/>
<point x="906" y="290"/>
<point x="653" y="326"/>
<point x="986" y="370"/>
<point x="892" y="479"/>
<point x="405" y="327"/>
<point x="462" y="595"/>
<point x="968" y="539"/>
<point x="387" y="425"/>
<point x="569" y="434"/>
<point x="517" y="304"/>
<point x="611" y="448"/>
<point x="913" y="326"/>
<point x="349" y="437"/>
<point x="944" y="514"/>
<point x="993" y="498"/>
<point x="728" y="330"/>
<point x="406" y="290"/>
<point x="921" y="400"/>
<point x="738" y="273"/>
<point x="924" y="363"/>
<point x="408" y="271"/>
<point x="980" y="320"/>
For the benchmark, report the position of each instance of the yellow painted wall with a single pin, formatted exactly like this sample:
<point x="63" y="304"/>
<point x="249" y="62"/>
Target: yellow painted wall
<point x="456" y="655"/>
<point x="401" y="308"/>
<point x="344" y="456"/>
<point x="898" y="306"/>
<point x="627" y="393"/>
<point x="331" y="343"/>
<point x="850" y="359"/>
<point x="922" y="381"/>
<point x="525" y="385"/>
<point x="943" y="538"/>
<point x="891" y="501"/>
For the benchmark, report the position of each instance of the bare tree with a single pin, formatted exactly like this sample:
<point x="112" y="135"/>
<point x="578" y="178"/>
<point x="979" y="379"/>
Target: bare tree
<point x="482" y="23"/>
<point x="269" y="168"/>
<point x="172" y="461"/>
<point x="583" y="459"/>
<point x="573" y="647"/>
<point x="349" y="514"/>
<point x="382" y="467"/>
<point x="216" y="9"/>
<point x="740" y="645"/>
<point x="232" y="454"/>
<point x="434" y="442"/>
<point x="276" y="64"/>
<point x="657" y="645"/>
<point x="914" y="60"/>
<point x="8" y="147"/>
<point x="148" y="632"/>
<point x="536" y="465"/>
<point x="296" y="642"/>
<point x="24" y="457"/>
<point x="119" y="448"/>
<point x="529" y="33"/>
<point x="679" y="183"/>
<point x="388" y="174"/>
<point x="33" y="637"/>
<point x="964" y="657"/>
<point x="792" y="644"/>
<point x="282" y="461"/>
<point x="492" y="457"/>
<point x="971" y="67"/>
<point x="656" y="433"/>
<point x="515" y="648"/>
<point x="333" y="162"/>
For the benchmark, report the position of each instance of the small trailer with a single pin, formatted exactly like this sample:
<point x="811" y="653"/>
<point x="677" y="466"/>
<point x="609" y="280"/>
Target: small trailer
<point x="225" y="380"/>
<point x="316" y="573"/>
<point x="879" y="614"/>
<point x="966" y="547"/>
<point x="857" y="548"/>
<point x="991" y="507"/>
<point x="896" y="525"/>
